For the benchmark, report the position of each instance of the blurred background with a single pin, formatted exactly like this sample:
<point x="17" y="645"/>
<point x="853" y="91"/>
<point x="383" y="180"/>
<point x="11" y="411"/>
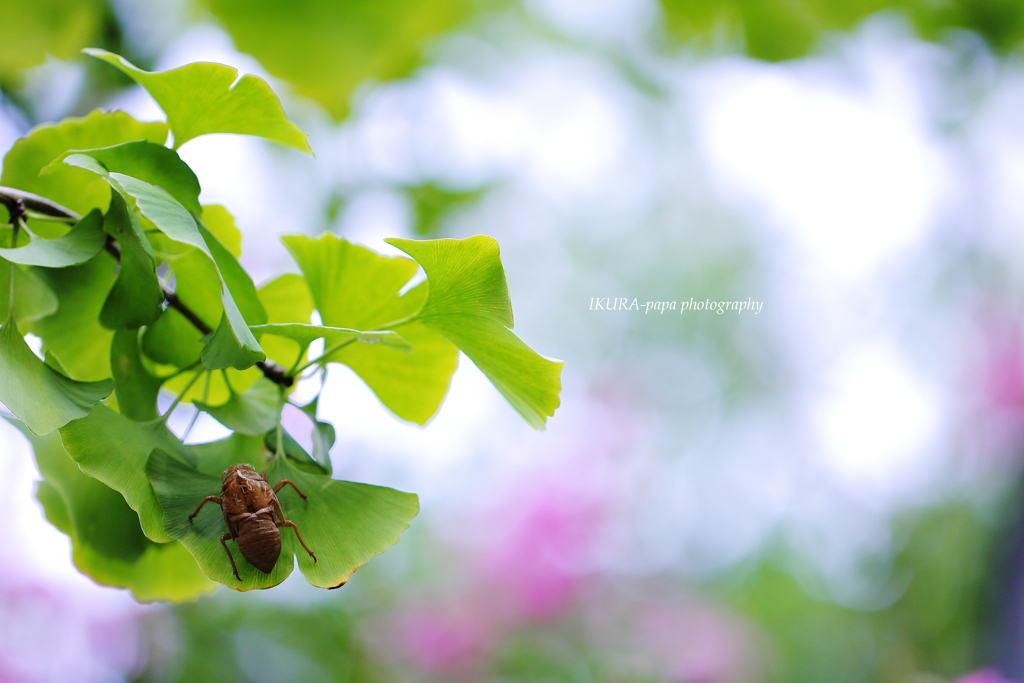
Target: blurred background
<point x="827" y="490"/>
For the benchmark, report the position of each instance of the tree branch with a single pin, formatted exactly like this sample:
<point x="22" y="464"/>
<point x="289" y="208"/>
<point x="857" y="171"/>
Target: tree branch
<point x="17" y="202"/>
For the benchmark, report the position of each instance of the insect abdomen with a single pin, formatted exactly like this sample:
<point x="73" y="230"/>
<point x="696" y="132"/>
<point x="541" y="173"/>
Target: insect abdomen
<point x="259" y="540"/>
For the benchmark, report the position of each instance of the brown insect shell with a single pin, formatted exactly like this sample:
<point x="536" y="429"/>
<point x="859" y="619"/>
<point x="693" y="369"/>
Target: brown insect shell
<point x="247" y="501"/>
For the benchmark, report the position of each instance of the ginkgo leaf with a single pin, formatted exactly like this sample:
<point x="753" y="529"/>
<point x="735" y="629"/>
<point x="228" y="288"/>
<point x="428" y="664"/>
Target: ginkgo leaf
<point x="38" y="395"/>
<point x="73" y="331"/>
<point x="468" y="303"/>
<point x="286" y="299"/>
<point x="33" y="298"/>
<point x="355" y="288"/>
<point x="203" y="98"/>
<point x="136" y="299"/>
<point x="146" y="161"/>
<point x="71" y="187"/>
<point x="326" y="48"/>
<point x="135" y="388"/>
<point x="107" y="543"/>
<point x="252" y="412"/>
<point x="114" y="449"/>
<point x="232" y="344"/>
<point x="343" y="523"/>
<point x="81" y="243"/>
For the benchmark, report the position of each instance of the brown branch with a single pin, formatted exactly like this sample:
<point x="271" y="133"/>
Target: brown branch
<point x="17" y="201"/>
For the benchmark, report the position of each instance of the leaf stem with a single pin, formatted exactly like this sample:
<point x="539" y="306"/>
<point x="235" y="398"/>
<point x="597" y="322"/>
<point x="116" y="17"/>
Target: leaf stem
<point x="180" y="396"/>
<point x="192" y="422"/>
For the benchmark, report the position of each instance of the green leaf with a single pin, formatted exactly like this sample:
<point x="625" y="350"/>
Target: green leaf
<point x="433" y="203"/>
<point x="145" y="160"/>
<point x="206" y="98"/>
<point x="323" y="436"/>
<point x="40" y="396"/>
<point x="252" y="412"/>
<point x="286" y="299"/>
<point x="222" y="224"/>
<point x="343" y="523"/>
<point x="355" y="288"/>
<point x="468" y="302"/>
<point x="232" y="344"/>
<point x="114" y="449"/>
<point x="326" y="48"/>
<point x="106" y="541"/>
<point x="73" y="333"/>
<point x="81" y="243"/>
<point x="74" y="188"/>
<point x="57" y="28"/>
<point x="135" y="388"/>
<point x="305" y="334"/>
<point x="295" y="453"/>
<point x="136" y="299"/>
<point x="33" y="298"/>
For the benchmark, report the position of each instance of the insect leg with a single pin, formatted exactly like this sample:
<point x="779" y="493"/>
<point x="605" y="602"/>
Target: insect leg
<point x="280" y="485"/>
<point x="223" y="542"/>
<point x="297" y="534"/>
<point x="215" y="499"/>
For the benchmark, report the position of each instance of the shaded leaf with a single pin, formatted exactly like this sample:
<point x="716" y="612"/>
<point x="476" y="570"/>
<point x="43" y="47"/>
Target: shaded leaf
<point x="252" y="412"/>
<point x="355" y="288"/>
<point x="179" y="489"/>
<point x="38" y="395"/>
<point x="106" y="541"/>
<point x="135" y="388"/>
<point x="33" y="298"/>
<point x="206" y="98"/>
<point x="114" y="449"/>
<point x="323" y="436"/>
<point x="74" y="188"/>
<point x="344" y="523"/>
<point x="145" y="160"/>
<point x="468" y="302"/>
<point x="305" y="334"/>
<point x="136" y="299"/>
<point x="74" y="332"/>
<point x="294" y="451"/>
<point x="232" y="344"/>
<point x="81" y="243"/>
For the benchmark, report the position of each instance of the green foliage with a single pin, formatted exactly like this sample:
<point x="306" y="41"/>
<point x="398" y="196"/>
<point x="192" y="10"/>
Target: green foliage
<point x="106" y="541"/>
<point x="74" y="188"/>
<point x="116" y="479"/>
<point x="776" y="31"/>
<point x="41" y="397"/>
<point x="207" y="98"/>
<point x="433" y="203"/>
<point x="352" y="287"/>
<point x="78" y="245"/>
<point x="325" y="48"/>
<point x="46" y="27"/>
<point x="468" y="303"/>
<point x="343" y="523"/>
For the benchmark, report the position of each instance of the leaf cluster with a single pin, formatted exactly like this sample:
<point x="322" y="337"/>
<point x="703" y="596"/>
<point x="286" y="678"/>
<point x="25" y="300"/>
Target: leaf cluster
<point x="134" y="288"/>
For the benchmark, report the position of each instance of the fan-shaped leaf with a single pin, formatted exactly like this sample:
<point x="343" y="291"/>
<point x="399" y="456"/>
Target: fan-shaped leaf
<point x="343" y="523"/>
<point x="206" y="98"/>
<point x="468" y="302"/>
<point x="38" y="395"/>
<point x="81" y="243"/>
